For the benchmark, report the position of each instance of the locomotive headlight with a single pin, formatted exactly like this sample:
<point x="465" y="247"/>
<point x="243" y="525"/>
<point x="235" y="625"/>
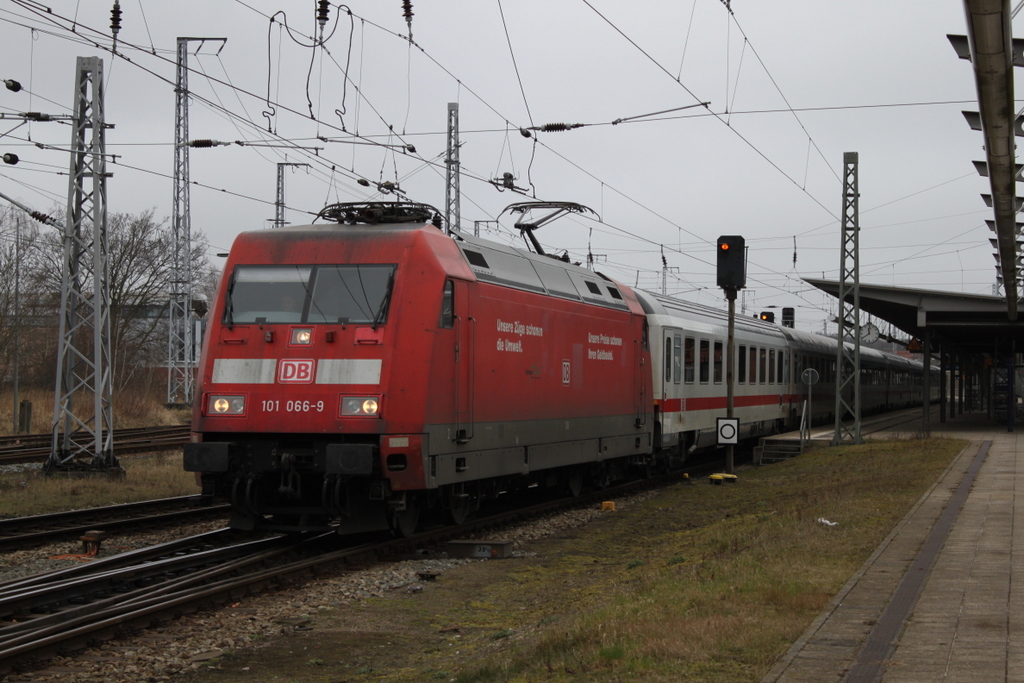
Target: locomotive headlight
<point x="225" y="405"/>
<point x="302" y="336"/>
<point x="360" y="406"/>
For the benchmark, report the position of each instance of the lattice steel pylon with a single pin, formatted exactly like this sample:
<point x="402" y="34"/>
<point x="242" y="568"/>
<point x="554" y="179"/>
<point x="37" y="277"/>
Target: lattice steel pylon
<point x="279" y="220"/>
<point x="181" y="348"/>
<point x="82" y="410"/>
<point x="180" y="366"/>
<point x="847" y="360"/>
<point x="452" y="194"/>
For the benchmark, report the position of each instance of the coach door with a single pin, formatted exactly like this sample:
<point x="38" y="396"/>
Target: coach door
<point x="671" y="387"/>
<point x="465" y="356"/>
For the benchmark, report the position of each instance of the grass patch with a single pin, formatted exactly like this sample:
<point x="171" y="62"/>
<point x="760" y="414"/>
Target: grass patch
<point x="148" y="477"/>
<point x="732" y="575"/>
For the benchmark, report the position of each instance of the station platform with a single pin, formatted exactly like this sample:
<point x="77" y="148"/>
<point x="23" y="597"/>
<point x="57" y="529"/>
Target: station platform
<point x="942" y="598"/>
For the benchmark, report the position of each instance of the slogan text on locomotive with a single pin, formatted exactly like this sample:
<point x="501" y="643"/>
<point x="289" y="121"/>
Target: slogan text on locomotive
<point x="604" y="340"/>
<point x="519" y="329"/>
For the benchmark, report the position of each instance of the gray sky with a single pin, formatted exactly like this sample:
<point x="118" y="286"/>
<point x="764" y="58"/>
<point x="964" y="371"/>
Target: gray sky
<point x="791" y="86"/>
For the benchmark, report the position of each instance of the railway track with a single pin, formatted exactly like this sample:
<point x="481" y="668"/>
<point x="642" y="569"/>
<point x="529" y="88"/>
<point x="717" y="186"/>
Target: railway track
<point x="59" y="612"/>
<point x="21" y="531"/>
<point x="31" y="448"/>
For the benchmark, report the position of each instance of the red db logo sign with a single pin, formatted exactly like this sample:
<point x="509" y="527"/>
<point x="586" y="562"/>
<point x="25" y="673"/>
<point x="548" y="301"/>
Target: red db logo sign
<point x="295" y="372"/>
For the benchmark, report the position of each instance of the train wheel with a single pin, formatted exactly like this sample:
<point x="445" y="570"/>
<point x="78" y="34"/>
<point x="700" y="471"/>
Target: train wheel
<point x="404" y="522"/>
<point x="575" y="482"/>
<point x="460" y="510"/>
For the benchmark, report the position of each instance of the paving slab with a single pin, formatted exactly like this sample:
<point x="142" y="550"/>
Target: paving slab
<point x="950" y="574"/>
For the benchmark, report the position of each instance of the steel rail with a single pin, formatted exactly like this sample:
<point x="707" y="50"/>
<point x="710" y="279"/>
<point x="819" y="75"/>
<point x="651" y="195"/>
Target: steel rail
<point x="20" y="531"/>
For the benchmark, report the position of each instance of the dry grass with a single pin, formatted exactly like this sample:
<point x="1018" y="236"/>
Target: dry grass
<point x="728" y="576"/>
<point x="148" y="477"/>
<point x="132" y="408"/>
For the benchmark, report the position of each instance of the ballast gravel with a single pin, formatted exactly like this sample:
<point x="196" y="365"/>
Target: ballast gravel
<point x="193" y="641"/>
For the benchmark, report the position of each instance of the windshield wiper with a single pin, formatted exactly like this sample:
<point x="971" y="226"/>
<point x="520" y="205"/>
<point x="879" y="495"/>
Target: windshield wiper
<point x="384" y="302"/>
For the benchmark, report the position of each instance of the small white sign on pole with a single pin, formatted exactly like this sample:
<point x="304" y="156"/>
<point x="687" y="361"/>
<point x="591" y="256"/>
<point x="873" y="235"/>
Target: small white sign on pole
<point x="728" y="430"/>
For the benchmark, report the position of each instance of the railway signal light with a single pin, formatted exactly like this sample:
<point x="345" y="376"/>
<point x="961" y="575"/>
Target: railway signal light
<point x="767" y="316"/>
<point x="732" y="262"/>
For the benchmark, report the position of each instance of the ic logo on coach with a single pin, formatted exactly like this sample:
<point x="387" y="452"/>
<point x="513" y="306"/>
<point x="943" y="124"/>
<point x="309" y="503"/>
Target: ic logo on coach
<point x="295" y="372"/>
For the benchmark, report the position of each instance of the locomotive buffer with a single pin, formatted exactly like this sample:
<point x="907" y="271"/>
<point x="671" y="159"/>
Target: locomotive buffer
<point x="732" y="277"/>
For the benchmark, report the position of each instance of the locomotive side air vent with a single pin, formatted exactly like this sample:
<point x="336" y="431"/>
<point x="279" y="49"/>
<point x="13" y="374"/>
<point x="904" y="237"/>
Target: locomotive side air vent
<point x="475" y="258"/>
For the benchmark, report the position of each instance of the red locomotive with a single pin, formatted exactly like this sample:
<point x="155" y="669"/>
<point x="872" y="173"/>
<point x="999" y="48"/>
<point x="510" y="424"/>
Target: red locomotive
<point x="358" y="374"/>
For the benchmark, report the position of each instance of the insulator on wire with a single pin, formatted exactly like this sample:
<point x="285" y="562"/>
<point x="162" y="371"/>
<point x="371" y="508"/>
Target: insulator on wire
<point x="557" y="127"/>
<point x="323" y="10"/>
<point x="10" y="158"/>
<point x="115" y="19"/>
<point x="12" y="84"/>
<point x="201" y="143"/>
<point x="41" y="217"/>
<point x="407" y="13"/>
<point x="508" y="181"/>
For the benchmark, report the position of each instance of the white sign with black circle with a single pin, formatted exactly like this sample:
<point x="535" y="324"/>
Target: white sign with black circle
<point x="728" y="430"/>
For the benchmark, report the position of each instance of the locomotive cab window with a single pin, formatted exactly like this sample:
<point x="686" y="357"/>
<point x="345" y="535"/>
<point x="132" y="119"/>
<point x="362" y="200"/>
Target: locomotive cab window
<point x="447" y="320"/>
<point x="309" y="294"/>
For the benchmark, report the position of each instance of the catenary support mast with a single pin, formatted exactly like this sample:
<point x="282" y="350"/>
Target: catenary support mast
<point x="181" y="348"/>
<point x="452" y="195"/>
<point x="848" y="359"/>
<point x="82" y="411"/>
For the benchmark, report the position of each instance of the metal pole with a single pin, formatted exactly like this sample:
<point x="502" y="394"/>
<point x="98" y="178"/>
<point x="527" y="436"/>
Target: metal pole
<point x="848" y="361"/>
<point x="17" y="313"/>
<point x="926" y="399"/>
<point x="730" y="363"/>
<point x="452" y="193"/>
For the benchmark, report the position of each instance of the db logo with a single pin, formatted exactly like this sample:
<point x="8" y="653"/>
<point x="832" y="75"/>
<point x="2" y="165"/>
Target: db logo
<point x="295" y="371"/>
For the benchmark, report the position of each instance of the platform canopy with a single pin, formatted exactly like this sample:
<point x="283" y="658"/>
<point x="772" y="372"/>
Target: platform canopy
<point x="975" y="323"/>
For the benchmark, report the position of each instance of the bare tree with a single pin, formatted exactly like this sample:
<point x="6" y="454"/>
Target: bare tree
<point x="141" y="262"/>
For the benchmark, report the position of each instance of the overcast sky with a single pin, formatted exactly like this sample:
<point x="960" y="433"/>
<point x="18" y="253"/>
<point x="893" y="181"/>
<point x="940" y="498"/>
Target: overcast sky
<point x="791" y="86"/>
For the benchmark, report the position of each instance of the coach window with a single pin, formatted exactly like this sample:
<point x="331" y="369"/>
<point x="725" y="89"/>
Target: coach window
<point x="668" y="359"/>
<point x="718" y="362"/>
<point x="784" y="367"/>
<point x="741" y="365"/>
<point x="771" y="366"/>
<point x="688" y="361"/>
<point x="677" y="365"/>
<point x="753" y="365"/>
<point x="705" y="365"/>
<point x="447" y="320"/>
<point x="761" y="378"/>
